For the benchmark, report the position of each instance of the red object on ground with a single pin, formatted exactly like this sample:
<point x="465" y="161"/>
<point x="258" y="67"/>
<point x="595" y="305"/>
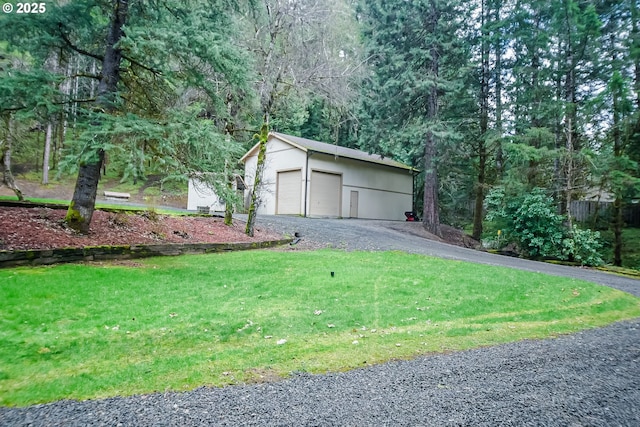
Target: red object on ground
<point x="411" y="216"/>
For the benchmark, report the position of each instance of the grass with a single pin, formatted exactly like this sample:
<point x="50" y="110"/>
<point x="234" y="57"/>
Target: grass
<point x="177" y="323"/>
<point x="150" y="189"/>
<point x="101" y="205"/>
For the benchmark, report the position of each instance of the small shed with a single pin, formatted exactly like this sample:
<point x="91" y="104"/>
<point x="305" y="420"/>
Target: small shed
<point x="202" y="197"/>
<point x="311" y="178"/>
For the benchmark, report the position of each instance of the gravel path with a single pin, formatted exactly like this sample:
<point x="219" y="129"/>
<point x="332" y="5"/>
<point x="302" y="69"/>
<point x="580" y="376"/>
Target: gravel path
<point x="588" y="379"/>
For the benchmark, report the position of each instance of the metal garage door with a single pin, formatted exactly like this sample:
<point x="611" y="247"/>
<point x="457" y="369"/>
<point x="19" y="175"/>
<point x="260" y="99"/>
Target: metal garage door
<point x="288" y="194"/>
<point x="326" y="190"/>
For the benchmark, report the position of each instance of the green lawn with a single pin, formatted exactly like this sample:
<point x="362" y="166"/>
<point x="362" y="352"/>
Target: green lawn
<point x="176" y="323"/>
<point x="102" y="205"/>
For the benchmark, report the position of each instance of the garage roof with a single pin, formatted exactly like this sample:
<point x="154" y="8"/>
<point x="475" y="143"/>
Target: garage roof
<point x="309" y="145"/>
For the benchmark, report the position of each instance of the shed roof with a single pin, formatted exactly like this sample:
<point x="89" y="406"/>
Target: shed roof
<point x="309" y="145"/>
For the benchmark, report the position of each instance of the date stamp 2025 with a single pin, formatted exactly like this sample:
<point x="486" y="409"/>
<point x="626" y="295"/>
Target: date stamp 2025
<point x="24" y="8"/>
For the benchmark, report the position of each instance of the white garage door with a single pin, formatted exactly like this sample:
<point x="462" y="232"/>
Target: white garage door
<point x="288" y="195"/>
<point x="326" y="190"/>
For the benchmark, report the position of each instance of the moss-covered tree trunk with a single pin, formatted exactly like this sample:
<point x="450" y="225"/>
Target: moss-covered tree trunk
<point x="257" y="180"/>
<point x="228" y="204"/>
<point x="84" y="196"/>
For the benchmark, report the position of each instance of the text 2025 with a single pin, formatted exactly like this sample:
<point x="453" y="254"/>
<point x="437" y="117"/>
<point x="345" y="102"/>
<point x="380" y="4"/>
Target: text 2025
<point x="31" y="7"/>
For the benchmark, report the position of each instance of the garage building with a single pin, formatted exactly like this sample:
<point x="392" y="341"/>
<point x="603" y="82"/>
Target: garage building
<point x="316" y="179"/>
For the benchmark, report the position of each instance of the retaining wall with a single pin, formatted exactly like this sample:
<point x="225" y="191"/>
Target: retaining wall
<point x="100" y="253"/>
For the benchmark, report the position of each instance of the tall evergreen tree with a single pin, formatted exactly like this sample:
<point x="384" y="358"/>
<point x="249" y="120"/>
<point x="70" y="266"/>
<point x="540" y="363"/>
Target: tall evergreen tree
<point x="159" y="63"/>
<point x="575" y="41"/>
<point x="411" y="46"/>
<point x="621" y="174"/>
<point x="84" y="195"/>
<point x="531" y="92"/>
<point x="489" y="44"/>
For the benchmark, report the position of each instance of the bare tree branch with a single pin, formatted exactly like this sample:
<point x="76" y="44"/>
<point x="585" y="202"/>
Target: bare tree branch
<point x="75" y="48"/>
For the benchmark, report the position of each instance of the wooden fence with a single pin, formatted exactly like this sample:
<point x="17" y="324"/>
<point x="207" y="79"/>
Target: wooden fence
<point x="583" y="210"/>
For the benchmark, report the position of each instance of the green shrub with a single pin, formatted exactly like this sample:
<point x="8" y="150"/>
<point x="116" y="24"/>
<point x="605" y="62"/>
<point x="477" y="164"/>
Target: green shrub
<point x="531" y="222"/>
<point x="537" y="228"/>
<point x="582" y="246"/>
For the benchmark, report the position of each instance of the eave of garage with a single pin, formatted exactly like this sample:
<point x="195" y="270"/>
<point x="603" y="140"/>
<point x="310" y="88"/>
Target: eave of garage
<point x="310" y="146"/>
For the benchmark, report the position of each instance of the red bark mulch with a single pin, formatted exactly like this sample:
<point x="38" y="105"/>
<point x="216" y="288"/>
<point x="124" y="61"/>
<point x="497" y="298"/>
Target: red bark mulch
<point x="44" y="228"/>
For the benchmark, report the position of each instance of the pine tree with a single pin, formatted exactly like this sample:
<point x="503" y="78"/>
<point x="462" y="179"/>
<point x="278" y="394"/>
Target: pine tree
<point x="489" y="135"/>
<point x="576" y="40"/>
<point x="161" y="91"/>
<point x="411" y="46"/>
<point x="617" y="64"/>
<point x="83" y="202"/>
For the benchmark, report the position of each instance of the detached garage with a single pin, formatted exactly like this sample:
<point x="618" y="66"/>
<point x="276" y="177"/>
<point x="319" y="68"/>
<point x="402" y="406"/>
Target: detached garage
<point x="315" y="179"/>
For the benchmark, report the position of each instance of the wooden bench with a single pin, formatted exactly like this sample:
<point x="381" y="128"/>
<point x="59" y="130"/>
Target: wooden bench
<point x="112" y="195"/>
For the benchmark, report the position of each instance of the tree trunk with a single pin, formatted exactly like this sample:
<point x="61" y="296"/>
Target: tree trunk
<point x="484" y="125"/>
<point x="618" y="204"/>
<point x="570" y="116"/>
<point x="84" y="196"/>
<point x="257" y="180"/>
<point x="431" y="216"/>
<point x="635" y="44"/>
<point x="569" y="174"/>
<point x="7" y="176"/>
<point x="228" y="210"/>
<point x="430" y="213"/>
<point x="635" y="55"/>
<point x="5" y="157"/>
<point x="228" y="203"/>
<point x="618" y="224"/>
<point x="618" y="151"/>
<point x="47" y="153"/>
<point x="497" y="72"/>
<point x="480" y="187"/>
<point x="67" y="112"/>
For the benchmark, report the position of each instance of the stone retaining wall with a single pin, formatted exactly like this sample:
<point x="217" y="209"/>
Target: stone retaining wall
<point x="100" y="253"/>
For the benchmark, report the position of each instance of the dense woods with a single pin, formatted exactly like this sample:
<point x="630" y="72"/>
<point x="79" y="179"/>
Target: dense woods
<point x="512" y="109"/>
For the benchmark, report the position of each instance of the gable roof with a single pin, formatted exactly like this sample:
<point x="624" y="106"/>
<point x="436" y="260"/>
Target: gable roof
<point x="311" y="146"/>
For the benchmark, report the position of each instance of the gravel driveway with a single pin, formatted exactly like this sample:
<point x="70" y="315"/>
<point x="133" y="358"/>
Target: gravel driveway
<point x="590" y="378"/>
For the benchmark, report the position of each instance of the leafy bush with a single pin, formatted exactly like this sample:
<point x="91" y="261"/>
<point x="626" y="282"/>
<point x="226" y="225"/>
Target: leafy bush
<point x="582" y="246"/>
<point x="536" y="226"/>
<point x="531" y="222"/>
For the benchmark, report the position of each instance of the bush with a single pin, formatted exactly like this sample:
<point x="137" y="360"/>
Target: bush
<point x="538" y="230"/>
<point x="583" y="246"/>
<point x="531" y="222"/>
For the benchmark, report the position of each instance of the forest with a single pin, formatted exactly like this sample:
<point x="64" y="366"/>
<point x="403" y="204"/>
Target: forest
<point x="514" y="111"/>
